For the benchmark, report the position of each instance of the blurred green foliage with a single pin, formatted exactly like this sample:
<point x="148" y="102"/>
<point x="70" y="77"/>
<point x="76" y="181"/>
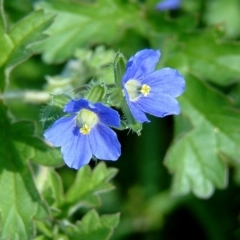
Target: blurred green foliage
<point x="179" y="179"/>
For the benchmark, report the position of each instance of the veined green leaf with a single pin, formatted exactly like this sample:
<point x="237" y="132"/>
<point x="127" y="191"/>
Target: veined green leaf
<point x="50" y="186"/>
<point x="20" y="202"/>
<point x="16" y="45"/>
<point x="32" y="147"/>
<point x="202" y="53"/>
<point x="195" y="159"/>
<point x="89" y="185"/>
<point x="94" y="227"/>
<point x="81" y="24"/>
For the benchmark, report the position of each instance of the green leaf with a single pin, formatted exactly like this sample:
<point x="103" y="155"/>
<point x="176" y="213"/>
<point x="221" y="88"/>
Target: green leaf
<point x="84" y="192"/>
<point x="203" y="54"/>
<point x="94" y="227"/>
<point x="40" y="238"/>
<point x="197" y="158"/>
<point x="32" y="147"/>
<point x="89" y="185"/>
<point x="225" y="14"/>
<point x="2" y="18"/>
<point x="20" y="202"/>
<point x="16" y="45"/>
<point x="79" y="25"/>
<point x="50" y="186"/>
<point x="87" y="64"/>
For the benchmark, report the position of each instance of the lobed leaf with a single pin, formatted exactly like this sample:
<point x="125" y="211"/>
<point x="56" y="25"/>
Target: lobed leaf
<point x="88" y="185"/>
<point x="81" y="24"/>
<point x="32" y="147"/>
<point x="50" y="186"/>
<point x="196" y="158"/>
<point x="203" y="53"/>
<point x="20" y="202"/>
<point x="94" y="227"/>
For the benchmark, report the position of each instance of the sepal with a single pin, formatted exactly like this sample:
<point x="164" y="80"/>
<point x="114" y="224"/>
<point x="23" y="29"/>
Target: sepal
<point x="132" y="123"/>
<point x="54" y="109"/>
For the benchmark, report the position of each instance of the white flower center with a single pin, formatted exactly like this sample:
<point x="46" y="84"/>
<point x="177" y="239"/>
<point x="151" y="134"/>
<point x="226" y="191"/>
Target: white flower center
<point x="86" y="120"/>
<point x="135" y="89"/>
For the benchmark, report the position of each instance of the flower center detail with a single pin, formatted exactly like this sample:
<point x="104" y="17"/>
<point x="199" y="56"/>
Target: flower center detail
<point x="85" y="129"/>
<point x="145" y="89"/>
<point x="135" y="89"/>
<point x="86" y="120"/>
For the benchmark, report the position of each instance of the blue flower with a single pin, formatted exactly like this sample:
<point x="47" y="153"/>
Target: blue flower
<point x="168" y="5"/>
<point x="85" y="133"/>
<point x="149" y="91"/>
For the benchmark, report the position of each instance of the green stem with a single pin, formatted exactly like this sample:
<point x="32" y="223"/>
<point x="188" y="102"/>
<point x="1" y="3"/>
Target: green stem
<point x="27" y="96"/>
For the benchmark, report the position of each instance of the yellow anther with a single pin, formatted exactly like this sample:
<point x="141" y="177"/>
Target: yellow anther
<point x="85" y="129"/>
<point x="145" y="89"/>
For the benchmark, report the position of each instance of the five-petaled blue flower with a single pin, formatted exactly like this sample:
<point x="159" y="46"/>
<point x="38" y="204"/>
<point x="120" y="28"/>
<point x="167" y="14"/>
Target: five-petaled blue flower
<point x="149" y="91"/>
<point x="85" y="133"/>
<point x="168" y="5"/>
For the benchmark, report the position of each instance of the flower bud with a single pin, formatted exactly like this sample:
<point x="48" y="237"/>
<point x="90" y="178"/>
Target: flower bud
<point x="96" y="93"/>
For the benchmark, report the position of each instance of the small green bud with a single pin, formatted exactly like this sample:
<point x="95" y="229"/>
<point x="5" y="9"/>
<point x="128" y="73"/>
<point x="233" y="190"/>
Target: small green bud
<point x="96" y="93"/>
<point x="119" y="69"/>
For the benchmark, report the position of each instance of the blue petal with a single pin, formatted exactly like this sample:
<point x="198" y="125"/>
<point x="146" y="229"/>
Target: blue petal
<point x="77" y="152"/>
<point x="75" y="106"/>
<point x="138" y="114"/>
<point x="159" y="105"/>
<point x="167" y="81"/>
<point x="104" y="143"/>
<point x="61" y="131"/>
<point x="107" y="115"/>
<point x="168" y="5"/>
<point x="141" y="64"/>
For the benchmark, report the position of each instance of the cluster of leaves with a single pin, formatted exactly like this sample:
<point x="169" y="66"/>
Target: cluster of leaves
<point x="22" y="202"/>
<point x="83" y="193"/>
<point x="198" y="40"/>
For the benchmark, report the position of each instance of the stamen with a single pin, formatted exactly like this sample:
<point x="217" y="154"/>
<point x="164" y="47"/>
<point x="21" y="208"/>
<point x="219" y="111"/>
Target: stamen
<point x="145" y="90"/>
<point x="85" y="129"/>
